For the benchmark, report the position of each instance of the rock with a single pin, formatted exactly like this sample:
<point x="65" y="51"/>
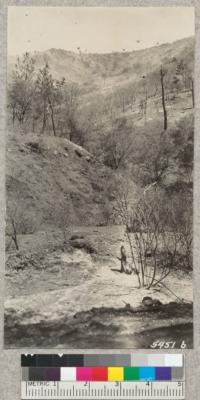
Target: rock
<point x="76" y="236"/>
<point x="34" y="147"/>
<point x="78" y="152"/>
<point x="148" y="301"/>
<point x="128" y="306"/>
<point x="22" y="149"/>
<point x="81" y="243"/>
<point x="88" y="158"/>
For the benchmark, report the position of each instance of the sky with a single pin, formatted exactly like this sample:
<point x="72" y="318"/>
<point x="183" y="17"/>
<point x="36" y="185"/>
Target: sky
<point x="95" y="29"/>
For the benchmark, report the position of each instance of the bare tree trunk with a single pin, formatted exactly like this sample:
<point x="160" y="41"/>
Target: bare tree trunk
<point x="14" y="237"/>
<point x="33" y="125"/>
<point x="163" y="98"/>
<point x="192" y="90"/>
<point x="71" y="130"/>
<point x="145" y="106"/>
<point x="133" y="258"/>
<point x="139" y="251"/>
<point x="154" y="267"/>
<point x="154" y="275"/>
<point x="44" y="117"/>
<point x="52" y="118"/>
<point x="21" y="119"/>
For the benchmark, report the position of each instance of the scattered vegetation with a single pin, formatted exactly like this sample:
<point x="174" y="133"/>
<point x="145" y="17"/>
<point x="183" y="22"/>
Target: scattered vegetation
<point x="159" y="232"/>
<point x="137" y="125"/>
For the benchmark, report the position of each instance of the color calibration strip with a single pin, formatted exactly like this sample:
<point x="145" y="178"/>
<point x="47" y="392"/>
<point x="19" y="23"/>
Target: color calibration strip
<point x="106" y="374"/>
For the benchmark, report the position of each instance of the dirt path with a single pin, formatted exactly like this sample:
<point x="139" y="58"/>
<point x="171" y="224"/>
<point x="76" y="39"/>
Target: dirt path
<point x="83" y="284"/>
<point x="90" y="284"/>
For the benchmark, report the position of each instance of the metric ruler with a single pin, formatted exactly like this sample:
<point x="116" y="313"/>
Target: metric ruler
<point x="103" y="390"/>
<point x="106" y="377"/>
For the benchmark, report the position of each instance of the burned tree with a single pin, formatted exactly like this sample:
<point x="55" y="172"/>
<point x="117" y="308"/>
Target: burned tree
<point x="49" y="93"/>
<point x="21" y="89"/>
<point x="19" y="222"/>
<point x="19" y="218"/>
<point x="162" y="75"/>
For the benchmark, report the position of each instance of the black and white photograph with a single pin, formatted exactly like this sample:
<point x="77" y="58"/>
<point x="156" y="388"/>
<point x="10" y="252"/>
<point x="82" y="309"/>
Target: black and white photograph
<point x="99" y="177"/>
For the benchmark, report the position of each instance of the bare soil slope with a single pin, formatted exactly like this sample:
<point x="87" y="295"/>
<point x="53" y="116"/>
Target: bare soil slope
<point x="59" y="182"/>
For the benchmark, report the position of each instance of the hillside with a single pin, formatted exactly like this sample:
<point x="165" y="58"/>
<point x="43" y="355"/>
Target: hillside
<point x="113" y="71"/>
<point x="115" y="85"/>
<point x="58" y="181"/>
<point x="115" y="68"/>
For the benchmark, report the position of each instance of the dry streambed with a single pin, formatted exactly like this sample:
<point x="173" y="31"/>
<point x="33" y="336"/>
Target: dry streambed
<point x="79" y="298"/>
